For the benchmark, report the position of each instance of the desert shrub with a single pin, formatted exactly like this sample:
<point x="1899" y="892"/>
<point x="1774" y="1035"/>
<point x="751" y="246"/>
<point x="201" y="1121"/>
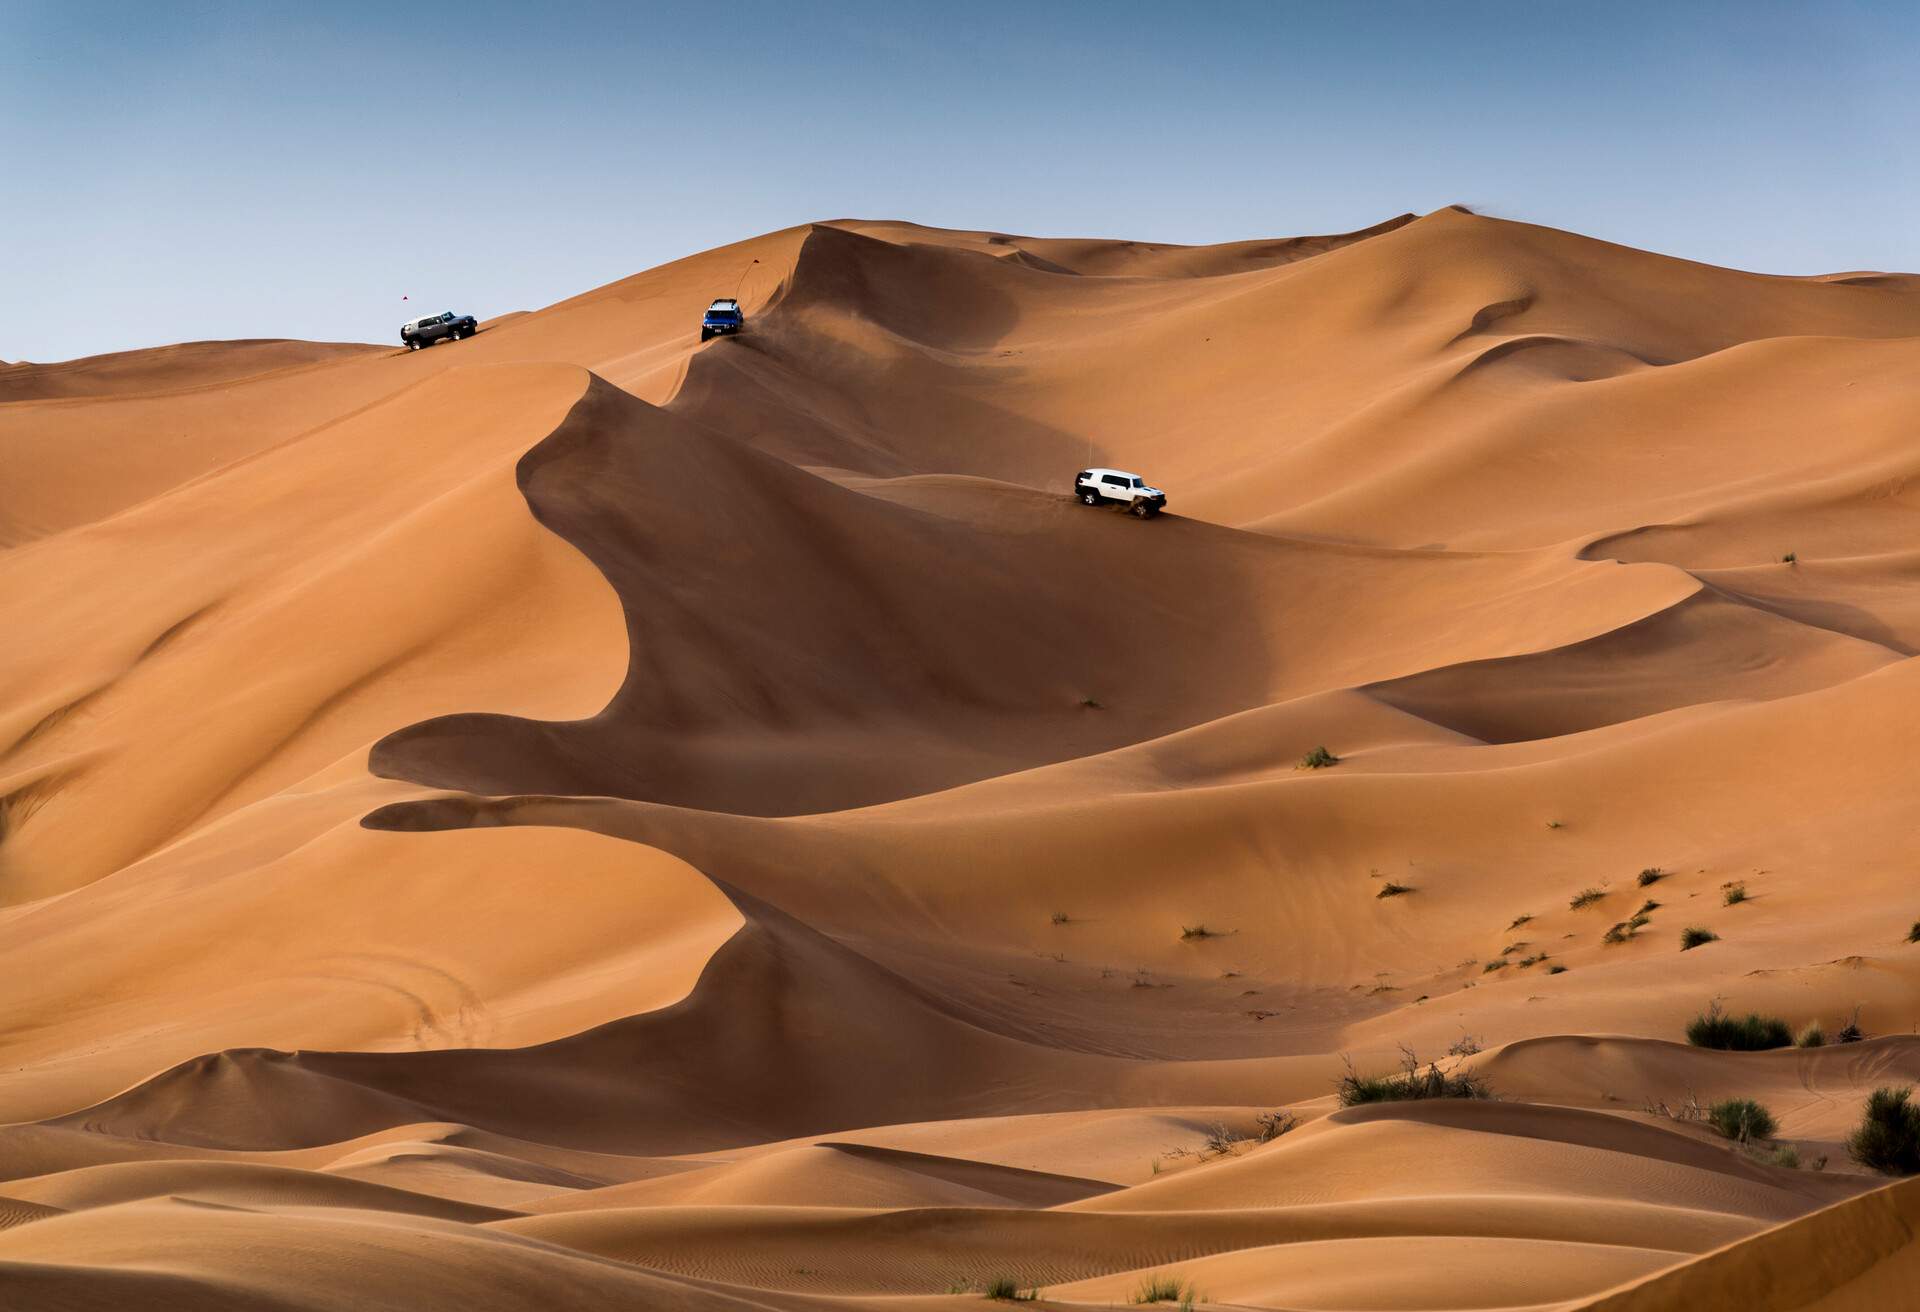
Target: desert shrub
<point x="1812" y="1035"/>
<point x="1219" y="1140"/>
<point x="1733" y="894"/>
<point x="1913" y="935"/>
<point x="1791" y="558"/>
<point x="1391" y="889"/>
<point x="1783" y="1155"/>
<point x="1752" y="1032"/>
<point x="1158" y="1288"/>
<point x="1005" y="1289"/>
<point x="1464" y="1046"/>
<point x="1498" y="963"/>
<point x="1318" y="759"/>
<point x="1556" y="824"/>
<point x="1742" y="1119"/>
<point x="1851" y="1031"/>
<point x="1647" y="908"/>
<point x="1409" y="1083"/>
<point x="1061" y="918"/>
<point x="1651" y="875"/>
<point x="1619" y="933"/>
<point x="1693" y="936"/>
<point x="1888" y="1139"/>
<point x="1198" y="931"/>
<point x="1275" y="1124"/>
<point x="1521" y="920"/>
<point x="1556" y="969"/>
<point x="1586" y="897"/>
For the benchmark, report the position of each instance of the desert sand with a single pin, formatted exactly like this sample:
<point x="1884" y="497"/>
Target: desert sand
<point x="587" y="818"/>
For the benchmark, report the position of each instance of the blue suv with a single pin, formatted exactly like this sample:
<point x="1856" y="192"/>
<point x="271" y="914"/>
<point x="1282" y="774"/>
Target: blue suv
<point x="723" y="316"/>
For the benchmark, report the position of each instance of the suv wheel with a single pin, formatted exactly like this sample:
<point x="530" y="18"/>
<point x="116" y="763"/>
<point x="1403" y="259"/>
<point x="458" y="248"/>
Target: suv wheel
<point x="1143" y="508"/>
<point x="414" y="345"/>
<point x="1088" y="497"/>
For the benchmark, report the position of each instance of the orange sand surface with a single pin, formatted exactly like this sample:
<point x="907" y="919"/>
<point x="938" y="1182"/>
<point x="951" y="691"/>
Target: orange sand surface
<point x="587" y="818"/>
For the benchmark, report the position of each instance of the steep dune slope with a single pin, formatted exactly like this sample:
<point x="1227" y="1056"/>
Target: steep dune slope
<point x="583" y="816"/>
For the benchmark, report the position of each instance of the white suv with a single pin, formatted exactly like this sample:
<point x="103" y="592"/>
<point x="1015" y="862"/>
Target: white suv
<point x="1094" y="486"/>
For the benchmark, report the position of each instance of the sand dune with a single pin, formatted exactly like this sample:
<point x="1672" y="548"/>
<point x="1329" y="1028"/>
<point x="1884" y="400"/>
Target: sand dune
<point x="583" y="817"/>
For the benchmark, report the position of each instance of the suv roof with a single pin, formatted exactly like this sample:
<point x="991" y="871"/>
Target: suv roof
<point x="725" y="303"/>
<point x="1098" y="471"/>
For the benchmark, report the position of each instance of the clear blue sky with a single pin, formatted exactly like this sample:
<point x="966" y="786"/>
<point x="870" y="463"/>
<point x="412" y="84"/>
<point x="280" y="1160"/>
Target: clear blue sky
<point x="179" y="171"/>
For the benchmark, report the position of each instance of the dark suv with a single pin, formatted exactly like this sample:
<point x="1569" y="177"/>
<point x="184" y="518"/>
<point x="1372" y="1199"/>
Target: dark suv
<point x="436" y="327"/>
<point x="723" y="316"/>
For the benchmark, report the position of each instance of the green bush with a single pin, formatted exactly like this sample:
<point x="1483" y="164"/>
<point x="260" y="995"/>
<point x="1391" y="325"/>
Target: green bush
<point x="1742" y="1119"/>
<point x="1888" y="1139"/>
<point x="1318" y="759"/>
<point x="1693" y="936"/>
<point x="1409" y="1084"/>
<point x="1004" y="1288"/>
<point x="1157" y="1288"/>
<point x="1814" y="1035"/>
<point x="1749" y="1033"/>
<point x="1733" y="894"/>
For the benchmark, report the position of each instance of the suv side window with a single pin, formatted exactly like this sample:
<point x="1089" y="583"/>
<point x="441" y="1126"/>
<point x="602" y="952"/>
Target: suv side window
<point x="1114" y="480"/>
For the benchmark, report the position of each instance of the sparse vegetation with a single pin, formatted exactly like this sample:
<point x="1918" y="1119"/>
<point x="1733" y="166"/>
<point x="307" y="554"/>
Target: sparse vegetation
<point x="1693" y="936"/>
<point x="1742" y="1120"/>
<point x="1811" y="1035"/>
<point x="1198" y="931"/>
<point x="1785" y="1156"/>
<point x="1158" y="1288"/>
<point x="1619" y="933"/>
<point x="1533" y="960"/>
<point x="1521" y="920"/>
<point x="1913" y="935"/>
<point x="1061" y="918"/>
<point x="1318" y="759"/>
<point x="1275" y="1124"/>
<point x="1409" y="1083"/>
<point x="1791" y="558"/>
<point x="1464" y="1046"/>
<point x="1556" y="969"/>
<point x="1092" y="703"/>
<point x="1586" y="897"/>
<point x="1005" y="1289"/>
<point x="1647" y="908"/>
<point x="1651" y="875"/>
<point x="1851" y="1031"/>
<point x="1888" y="1138"/>
<point x="1498" y="963"/>
<point x="1391" y="889"/>
<point x="1752" y="1032"/>
<point x="1556" y="824"/>
<point x="1733" y="894"/>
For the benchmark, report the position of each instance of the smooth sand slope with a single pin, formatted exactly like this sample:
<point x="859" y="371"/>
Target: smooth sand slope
<point x="586" y="818"/>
